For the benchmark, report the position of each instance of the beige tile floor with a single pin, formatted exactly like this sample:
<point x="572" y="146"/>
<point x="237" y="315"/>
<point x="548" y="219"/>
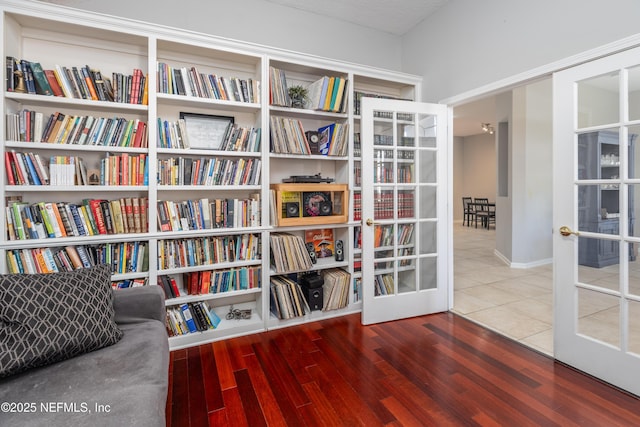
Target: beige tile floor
<point x="517" y="303"/>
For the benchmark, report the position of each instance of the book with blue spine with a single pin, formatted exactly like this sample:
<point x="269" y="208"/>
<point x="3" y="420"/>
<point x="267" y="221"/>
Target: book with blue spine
<point x="188" y="318"/>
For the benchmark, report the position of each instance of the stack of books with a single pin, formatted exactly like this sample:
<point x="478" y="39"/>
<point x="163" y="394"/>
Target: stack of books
<point x="328" y="94"/>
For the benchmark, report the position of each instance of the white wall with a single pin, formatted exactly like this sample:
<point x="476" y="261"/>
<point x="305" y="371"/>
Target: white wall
<point x="531" y="158"/>
<point x="458" y="177"/>
<point x="474" y="165"/>
<point x="261" y="22"/>
<point x="470" y="43"/>
<point x="504" y="204"/>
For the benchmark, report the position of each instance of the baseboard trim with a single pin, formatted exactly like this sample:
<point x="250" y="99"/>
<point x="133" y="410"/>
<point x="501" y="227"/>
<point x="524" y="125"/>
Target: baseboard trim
<point x="522" y="265"/>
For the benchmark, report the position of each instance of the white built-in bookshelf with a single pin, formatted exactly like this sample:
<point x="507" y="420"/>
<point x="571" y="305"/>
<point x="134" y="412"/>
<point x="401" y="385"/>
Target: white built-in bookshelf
<point x="194" y="218"/>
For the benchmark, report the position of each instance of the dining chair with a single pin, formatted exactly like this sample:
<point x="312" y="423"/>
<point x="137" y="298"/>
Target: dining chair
<point x="481" y="205"/>
<point x="487" y="215"/>
<point x="468" y="212"/>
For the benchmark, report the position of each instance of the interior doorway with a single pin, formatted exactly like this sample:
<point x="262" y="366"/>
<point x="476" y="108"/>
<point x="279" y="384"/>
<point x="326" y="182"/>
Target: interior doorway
<point x="496" y="283"/>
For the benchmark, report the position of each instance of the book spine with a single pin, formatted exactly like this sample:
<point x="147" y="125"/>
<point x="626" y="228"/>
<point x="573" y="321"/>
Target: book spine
<point x="98" y="216"/>
<point x="42" y="85"/>
<point x="188" y="318"/>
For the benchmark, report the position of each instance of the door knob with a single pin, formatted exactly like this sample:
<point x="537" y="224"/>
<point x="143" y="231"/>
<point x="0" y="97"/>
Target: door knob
<point x="566" y="231"/>
<point x="370" y="222"/>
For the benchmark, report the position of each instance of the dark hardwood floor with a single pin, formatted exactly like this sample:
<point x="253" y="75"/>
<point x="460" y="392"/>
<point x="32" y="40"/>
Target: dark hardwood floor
<point x="435" y="370"/>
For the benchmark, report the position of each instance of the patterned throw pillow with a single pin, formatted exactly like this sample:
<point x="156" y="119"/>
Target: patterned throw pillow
<point x="46" y="318"/>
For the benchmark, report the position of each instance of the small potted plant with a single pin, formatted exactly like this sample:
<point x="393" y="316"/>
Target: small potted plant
<point x="298" y="95"/>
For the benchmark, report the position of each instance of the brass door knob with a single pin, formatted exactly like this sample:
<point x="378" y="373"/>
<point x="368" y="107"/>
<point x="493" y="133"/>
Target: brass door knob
<point x="566" y="231"/>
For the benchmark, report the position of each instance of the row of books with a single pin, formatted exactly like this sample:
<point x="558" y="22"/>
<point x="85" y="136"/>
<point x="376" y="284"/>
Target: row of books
<point x="357" y="205"/>
<point x="236" y="138"/>
<point x="61" y="128"/>
<point x="129" y="283"/>
<point x="328" y="94"/>
<point x="383" y="235"/>
<point x="383" y="284"/>
<point x="357" y="289"/>
<point x="32" y="169"/>
<point x="386" y="205"/>
<point x="383" y="173"/>
<point x="26" y="168"/>
<point x="81" y="82"/>
<point x="287" y="299"/>
<point x="191" y="82"/>
<point x="191" y="318"/>
<point x="289" y="253"/>
<point x="385" y="154"/>
<point x="337" y="284"/>
<point x="207" y="250"/>
<point x="44" y="220"/>
<point x="130" y="88"/>
<point x="288" y="136"/>
<point x="123" y="257"/>
<point x="209" y="171"/>
<point x="203" y="214"/>
<point x="124" y="169"/>
<point x="357" y="104"/>
<point x="68" y="170"/>
<point x="405" y="234"/>
<point x="218" y="281"/>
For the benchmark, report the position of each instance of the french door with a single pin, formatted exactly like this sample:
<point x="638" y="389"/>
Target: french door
<point x="404" y="209"/>
<point x="596" y="218"/>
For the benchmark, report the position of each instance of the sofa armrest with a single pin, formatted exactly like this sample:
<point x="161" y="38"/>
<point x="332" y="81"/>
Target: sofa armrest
<point x="143" y="302"/>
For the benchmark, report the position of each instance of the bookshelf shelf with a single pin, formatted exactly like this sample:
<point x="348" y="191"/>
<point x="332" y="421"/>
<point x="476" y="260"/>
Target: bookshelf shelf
<point x="213" y="266"/>
<point x="75" y="188"/>
<point x="63" y="37"/>
<point x="209" y="153"/>
<point x="319" y="157"/>
<point x="184" y="100"/>
<point x="208" y="297"/>
<point x="72" y="147"/>
<point x="306" y="113"/>
<point x="84" y="104"/>
<point x="182" y="188"/>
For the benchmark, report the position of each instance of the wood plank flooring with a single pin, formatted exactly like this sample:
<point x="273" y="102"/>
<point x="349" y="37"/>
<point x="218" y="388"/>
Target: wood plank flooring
<point x="437" y="370"/>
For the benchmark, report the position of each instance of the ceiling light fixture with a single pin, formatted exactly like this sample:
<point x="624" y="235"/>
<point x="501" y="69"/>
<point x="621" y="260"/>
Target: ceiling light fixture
<point x="486" y="127"/>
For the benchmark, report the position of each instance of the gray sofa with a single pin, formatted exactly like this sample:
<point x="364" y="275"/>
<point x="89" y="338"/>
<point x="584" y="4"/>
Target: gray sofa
<point x="124" y="384"/>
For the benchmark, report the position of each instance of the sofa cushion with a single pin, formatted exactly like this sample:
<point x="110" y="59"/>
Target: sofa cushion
<point x="46" y="318"/>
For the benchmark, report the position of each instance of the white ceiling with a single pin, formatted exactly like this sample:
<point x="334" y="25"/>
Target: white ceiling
<point x="392" y="16"/>
<point x="468" y="118"/>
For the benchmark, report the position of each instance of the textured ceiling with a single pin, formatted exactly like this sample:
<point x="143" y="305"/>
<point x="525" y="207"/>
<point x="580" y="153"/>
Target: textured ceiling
<point x="392" y="16"/>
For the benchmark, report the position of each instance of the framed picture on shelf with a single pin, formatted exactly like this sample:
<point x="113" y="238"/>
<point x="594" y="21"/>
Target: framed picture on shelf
<point x="206" y="131"/>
